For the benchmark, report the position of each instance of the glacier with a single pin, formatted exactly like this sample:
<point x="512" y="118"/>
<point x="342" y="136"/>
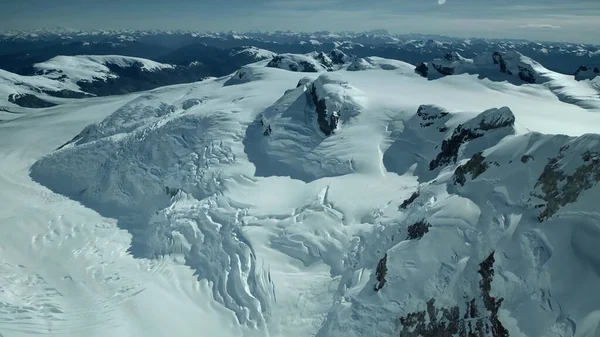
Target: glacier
<point x="360" y="200"/>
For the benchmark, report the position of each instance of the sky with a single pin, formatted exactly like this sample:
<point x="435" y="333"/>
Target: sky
<point x="549" y="20"/>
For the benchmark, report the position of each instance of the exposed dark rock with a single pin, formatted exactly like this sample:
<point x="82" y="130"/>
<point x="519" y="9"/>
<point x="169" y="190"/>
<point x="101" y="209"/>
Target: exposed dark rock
<point x="492" y="304"/>
<point x="571" y="186"/>
<point x="327" y="125"/>
<point x="451" y="146"/>
<point x="452" y="56"/>
<point x="409" y="201"/>
<point x="275" y="61"/>
<point x="29" y="101"/>
<point x="422" y="69"/>
<point x="526" y="159"/>
<point x="424" y="112"/>
<point x="447" y="322"/>
<point x="75" y="139"/>
<point x="267" y="131"/>
<point x="596" y="70"/>
<point x="417" y="230"/>
<point x="461" y="135"/>
<point x="324" y="60"/>
<point x="446" y="71"/>
<point x="380" y="273"/>
<point x="308" y="67"/>
<point x="497" y="59"/>
<point x="66" y="94"/>
<point x="171" y="192"/>
<point x="189" y="103"/>
<point x="337" y="56"/>
<point x="581" y="69"/>
<point x="526" y="75"/>
<point x="475" y="166"/>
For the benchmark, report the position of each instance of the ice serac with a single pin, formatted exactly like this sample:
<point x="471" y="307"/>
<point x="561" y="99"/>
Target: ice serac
<point x="157" y="169"/>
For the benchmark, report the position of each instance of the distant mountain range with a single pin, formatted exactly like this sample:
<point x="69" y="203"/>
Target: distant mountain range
<point x="20" y="50"/>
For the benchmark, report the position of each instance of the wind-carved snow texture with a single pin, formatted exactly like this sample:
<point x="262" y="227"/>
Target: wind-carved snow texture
<point x="142" y="165"/>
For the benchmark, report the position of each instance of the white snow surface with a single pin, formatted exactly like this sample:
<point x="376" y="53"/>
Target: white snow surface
<point x="11" y="83"/>
<point x="258" y="53"/>
<point x="518" y="69"/>
<point x="220" y="208"/>
<point x="92" y="67"/>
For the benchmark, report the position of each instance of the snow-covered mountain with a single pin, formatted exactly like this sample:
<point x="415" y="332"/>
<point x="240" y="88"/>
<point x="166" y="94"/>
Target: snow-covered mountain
<point x="19" y="50"/>
<point x="357" y="199"/>
<point x="92" y="75"/>
<point x="517" y="69"/>
<point x="91" y="68"/>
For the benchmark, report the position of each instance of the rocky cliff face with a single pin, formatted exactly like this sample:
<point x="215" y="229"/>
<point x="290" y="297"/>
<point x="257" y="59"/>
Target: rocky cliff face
<point x="490" y="120"/>
<point x="586" y="72"/>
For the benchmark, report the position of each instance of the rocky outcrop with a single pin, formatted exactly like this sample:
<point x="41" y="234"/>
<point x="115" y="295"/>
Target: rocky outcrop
<point x="586" y="72"/>
<point x="429" y="114"/>
<point x="439" y="321"/>
<point x="496" y="66"/>
<point x="29" y="101"/>
<point x="338" y="57"/>
<point x="488" y="120"/>
<point x="296" y="63"/>
<point x="475" y="167"/>
<point x="380" y="273"/>
<point x="417" y="230"/>
<point x="557" y="186"/>
<point x="409" y="201"/>
<point x="422" y="69"/>
<point x="327" y="120"/>
<point x="66" y="93"/>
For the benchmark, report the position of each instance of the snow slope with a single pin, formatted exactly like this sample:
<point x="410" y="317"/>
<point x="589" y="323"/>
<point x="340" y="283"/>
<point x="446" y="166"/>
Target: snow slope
<point x="43" y="90"/>
<point x="361" y="202"/>
<point x="517" y="69"/>
<point x="92" y="67"/>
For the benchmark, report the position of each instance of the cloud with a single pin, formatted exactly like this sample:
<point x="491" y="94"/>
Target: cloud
<point x="540" y="26"/>
<point x="441" y="2"/>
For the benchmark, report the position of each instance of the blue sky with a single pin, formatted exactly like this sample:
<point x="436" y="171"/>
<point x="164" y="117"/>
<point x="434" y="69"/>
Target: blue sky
<point x="562" y="20"/>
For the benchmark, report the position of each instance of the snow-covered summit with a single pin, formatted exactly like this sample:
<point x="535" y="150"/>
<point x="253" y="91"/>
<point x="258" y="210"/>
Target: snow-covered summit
<point x="255" y="52"/>
<point x="510" y="64"/>
<point x="314" y="62"/>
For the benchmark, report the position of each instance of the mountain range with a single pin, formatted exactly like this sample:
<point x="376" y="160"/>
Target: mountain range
<point x="315" y="193"/>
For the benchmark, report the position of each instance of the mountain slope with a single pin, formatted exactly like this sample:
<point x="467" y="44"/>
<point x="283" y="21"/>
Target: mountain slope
<point x="358" y="201"/>
<point x="514" y="68"/>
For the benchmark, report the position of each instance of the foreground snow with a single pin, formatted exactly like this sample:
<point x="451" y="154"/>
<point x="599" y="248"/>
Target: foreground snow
<point x="281" y="203"/>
